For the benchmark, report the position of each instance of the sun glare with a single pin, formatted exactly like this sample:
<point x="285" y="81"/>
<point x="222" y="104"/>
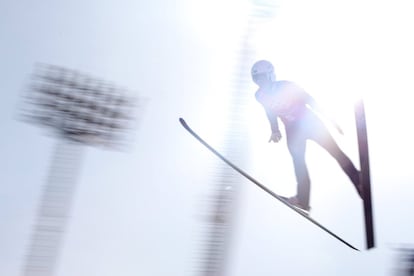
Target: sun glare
<point x="217" y="22"/>
<point x="331" y="50"/>
<point x="341" y="53"/>
<point x="315" y="49"/>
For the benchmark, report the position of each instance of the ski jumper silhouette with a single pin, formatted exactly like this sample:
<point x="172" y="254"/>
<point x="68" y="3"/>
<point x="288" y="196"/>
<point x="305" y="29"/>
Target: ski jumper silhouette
<point x="291" y="104"/>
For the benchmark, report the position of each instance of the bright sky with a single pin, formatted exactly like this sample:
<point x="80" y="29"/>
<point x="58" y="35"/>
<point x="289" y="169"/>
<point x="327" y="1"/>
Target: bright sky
<point x="138" y="212"/>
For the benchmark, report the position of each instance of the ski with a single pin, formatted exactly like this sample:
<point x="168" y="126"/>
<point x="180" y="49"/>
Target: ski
<point x="365" y="172"/>
<point x="264" y="188"/>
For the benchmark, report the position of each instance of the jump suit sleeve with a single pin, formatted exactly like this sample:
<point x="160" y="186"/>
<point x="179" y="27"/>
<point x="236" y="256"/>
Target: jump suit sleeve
<point x="274" y="125"/>
<point x="271" y="116"/>
<point x="310" y="101"/>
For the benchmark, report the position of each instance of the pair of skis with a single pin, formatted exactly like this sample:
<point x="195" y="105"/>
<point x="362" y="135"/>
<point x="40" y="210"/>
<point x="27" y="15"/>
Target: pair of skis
<point x="257" y="183"/>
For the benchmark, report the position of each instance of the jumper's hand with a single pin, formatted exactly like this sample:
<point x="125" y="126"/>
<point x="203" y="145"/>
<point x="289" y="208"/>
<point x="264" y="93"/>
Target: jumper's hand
<point x="276" y="136"/>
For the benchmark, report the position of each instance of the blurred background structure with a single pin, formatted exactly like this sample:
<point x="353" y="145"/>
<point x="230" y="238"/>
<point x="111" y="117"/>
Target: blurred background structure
<point x="79" y="110"/>
<point x="217" y="245"/>
<point x="404" y="261"/>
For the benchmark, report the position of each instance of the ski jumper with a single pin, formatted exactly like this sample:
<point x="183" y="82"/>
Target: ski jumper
<point x="292" y="105"/>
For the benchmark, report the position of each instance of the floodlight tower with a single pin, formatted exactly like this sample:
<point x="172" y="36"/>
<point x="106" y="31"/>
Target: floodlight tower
<point x="80" y="110"/>
<point x="227" y="190"/>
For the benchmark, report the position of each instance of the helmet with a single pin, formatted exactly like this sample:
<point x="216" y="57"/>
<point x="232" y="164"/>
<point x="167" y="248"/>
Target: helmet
<point x="263" y="68"/>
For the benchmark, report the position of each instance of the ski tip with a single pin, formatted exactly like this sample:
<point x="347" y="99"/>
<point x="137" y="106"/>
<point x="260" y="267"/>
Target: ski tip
<point x="182" y="121"/>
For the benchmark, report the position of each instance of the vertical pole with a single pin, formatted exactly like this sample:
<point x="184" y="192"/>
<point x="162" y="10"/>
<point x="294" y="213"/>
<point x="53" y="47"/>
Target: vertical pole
<point x="365" y="171"/>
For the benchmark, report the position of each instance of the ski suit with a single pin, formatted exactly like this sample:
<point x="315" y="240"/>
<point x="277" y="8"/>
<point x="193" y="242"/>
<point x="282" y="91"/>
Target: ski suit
<point x="290" y="103"/>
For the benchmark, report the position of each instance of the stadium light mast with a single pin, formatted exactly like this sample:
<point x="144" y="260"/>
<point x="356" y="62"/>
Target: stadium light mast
<point x="80" y="110"/>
